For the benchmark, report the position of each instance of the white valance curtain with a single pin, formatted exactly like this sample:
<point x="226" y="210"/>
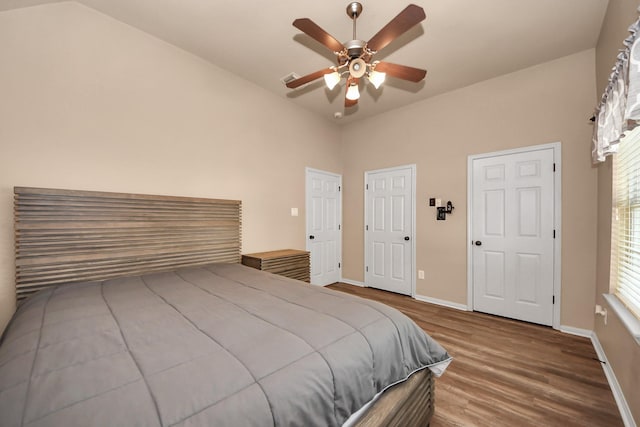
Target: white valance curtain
<point x="619" y="109"/>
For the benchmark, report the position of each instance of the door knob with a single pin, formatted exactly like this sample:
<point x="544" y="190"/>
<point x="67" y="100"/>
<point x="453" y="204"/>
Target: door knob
<point x="312" y="237"/>
<point x="478" y="243"/>
<point x="406" y="237"/>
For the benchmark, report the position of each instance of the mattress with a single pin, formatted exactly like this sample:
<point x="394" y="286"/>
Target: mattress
<point x="223" y="345"/>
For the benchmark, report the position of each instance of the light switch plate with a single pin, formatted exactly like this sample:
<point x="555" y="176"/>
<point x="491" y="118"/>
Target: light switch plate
<point x="294" y="211"/>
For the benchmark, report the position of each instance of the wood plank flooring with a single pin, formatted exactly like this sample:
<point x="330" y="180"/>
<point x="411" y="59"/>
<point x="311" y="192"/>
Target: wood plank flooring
<point x="506" y="372"/>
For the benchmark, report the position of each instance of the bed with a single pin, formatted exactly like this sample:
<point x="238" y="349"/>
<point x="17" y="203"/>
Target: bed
<point x="135" y="310"/>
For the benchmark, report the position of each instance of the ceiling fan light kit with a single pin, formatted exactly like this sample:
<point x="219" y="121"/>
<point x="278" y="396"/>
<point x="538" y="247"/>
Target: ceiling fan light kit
<point x="353" y="93"/>
<point x="332" y="79"/>
<point x="377" y="78"/>
<point x="355" y="56"/>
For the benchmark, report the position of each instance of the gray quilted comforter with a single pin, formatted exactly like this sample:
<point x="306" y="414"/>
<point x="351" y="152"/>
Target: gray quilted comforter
<point x="221" y="345"/>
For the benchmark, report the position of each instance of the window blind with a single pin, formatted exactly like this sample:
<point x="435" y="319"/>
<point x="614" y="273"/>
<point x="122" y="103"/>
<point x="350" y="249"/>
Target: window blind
<point x="625" y="227"/>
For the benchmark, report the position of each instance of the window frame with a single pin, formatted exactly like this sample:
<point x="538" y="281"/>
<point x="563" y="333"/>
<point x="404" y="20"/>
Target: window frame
<point x="624" y="284"/>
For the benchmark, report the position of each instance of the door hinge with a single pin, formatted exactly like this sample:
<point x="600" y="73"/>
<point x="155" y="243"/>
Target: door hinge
<point x="339" y="266"/>
<point x="366" y="227"/>
<point x="367" y="187"/>
<point x="553" y="301"/>
<point x="338" y="226"/>
<point x="554" y="167"/>
<point x="366" y="269"/>
<point x="554" y="234"/>
<point x="339" y="188"/>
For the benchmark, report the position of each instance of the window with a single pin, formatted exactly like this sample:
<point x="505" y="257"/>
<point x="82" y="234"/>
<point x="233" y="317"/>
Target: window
<point x="625" y="227"/>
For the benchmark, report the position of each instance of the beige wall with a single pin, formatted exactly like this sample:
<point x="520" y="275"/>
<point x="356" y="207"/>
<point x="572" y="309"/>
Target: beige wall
<point x="547" y="103"/>
<point x="89" y="103"/>
<point x="622" y="351"/>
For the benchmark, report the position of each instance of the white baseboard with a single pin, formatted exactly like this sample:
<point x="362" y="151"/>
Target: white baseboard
<point x="441" y="302"/>
<point x="417" y="297"/>
<point x="576" y="331"/>
<point x="623" y="407"/>
<point x="353" y="282"/>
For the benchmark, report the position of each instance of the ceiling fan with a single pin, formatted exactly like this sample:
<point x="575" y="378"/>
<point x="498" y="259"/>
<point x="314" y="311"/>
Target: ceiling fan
<point x="355" y="57"/>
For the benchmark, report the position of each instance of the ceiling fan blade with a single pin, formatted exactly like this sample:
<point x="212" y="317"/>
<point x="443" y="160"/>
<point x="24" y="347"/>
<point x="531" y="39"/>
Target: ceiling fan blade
<point x="309" y="78"/>
<point x="349" y="103"/>
<point x="312" y="29"/>
<point x="405" y="20"/>
<point x="401" y="71"/>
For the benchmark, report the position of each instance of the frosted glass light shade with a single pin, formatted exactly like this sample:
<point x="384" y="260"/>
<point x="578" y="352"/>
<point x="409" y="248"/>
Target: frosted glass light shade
<point x="332" y="79"/>
<point x="353" y="93"/>
<point x="377" y="78"/>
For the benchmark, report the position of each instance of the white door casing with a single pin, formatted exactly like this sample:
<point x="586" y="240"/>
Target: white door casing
<point x="513" y="233"/>
<point x="323" y="225"/>
<point x="389" y="229"/>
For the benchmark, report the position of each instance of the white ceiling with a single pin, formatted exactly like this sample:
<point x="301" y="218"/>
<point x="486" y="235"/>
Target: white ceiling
<point x="460" y="43"/>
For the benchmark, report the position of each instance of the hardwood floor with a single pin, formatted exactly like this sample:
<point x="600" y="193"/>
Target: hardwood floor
<point x="506" y="372"/>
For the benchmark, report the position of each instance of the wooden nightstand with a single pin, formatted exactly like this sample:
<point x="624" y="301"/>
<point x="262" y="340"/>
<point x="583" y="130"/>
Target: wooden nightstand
<point x="286" y="262"/>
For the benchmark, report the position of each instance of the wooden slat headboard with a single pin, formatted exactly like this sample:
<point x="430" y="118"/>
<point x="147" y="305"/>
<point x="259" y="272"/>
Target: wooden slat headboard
<point x="75" y="236"/>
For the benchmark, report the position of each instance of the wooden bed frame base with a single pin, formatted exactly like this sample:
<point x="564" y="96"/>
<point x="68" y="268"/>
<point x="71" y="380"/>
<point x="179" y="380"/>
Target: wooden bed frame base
<point x="410" y="403"/>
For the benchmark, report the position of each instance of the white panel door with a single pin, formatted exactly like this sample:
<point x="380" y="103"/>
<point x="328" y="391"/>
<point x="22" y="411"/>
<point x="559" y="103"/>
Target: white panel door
<point x="389" y="230"/>
<point x="513" y="232"/>
<point x="323" y="226"/>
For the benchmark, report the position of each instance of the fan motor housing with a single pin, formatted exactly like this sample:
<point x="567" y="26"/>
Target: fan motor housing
<point x="355" y="48"/>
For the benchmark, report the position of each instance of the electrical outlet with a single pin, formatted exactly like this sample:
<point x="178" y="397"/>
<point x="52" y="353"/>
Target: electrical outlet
<point x="420" y="274"/>
<point x="432" y="201"/>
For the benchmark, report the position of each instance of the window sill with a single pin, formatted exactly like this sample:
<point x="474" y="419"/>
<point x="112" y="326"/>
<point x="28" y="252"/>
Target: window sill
<point x="629" y="320"/>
